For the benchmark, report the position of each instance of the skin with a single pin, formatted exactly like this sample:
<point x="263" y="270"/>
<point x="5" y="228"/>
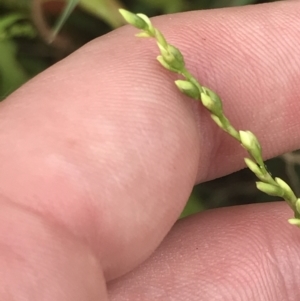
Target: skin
<point x="100" y="152"/>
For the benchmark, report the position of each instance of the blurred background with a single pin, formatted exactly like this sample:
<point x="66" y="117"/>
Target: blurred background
<point x="34" y="34"/>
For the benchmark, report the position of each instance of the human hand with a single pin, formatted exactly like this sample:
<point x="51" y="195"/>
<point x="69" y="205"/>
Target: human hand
<point x="100" y="152"/>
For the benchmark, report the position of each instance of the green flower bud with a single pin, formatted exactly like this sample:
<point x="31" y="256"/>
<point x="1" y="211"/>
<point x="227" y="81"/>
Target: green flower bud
<point x="213" y="104"/>
<point x="207" y="101"/>
<point x="146" y="19"/>
<point x="215" y="97"/>
<point x="248" y="140"/>
<point x="270" y="189"/>
<point x="294" y="222"/>
<point x="165" y="64"/>
<point x="133" y="19"/>
<point x="188" y="88"/>
<point x="251" y="144"/>
<point x="288" y="192"/>
<point x="172" y="56"/>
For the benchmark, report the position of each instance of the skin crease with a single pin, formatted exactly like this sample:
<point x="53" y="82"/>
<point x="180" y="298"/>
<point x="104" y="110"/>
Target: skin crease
<point x="100" y="152"/>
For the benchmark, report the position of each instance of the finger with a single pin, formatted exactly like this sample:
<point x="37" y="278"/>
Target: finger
<point x="239" y="253"/>
<point x="105" y="145"/>
<point x="41" y="261"/>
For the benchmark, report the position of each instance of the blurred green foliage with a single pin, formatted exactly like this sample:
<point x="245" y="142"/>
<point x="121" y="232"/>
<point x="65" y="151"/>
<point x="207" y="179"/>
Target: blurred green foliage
<point x="24" y="36"/>
<point x="27" y="26"/>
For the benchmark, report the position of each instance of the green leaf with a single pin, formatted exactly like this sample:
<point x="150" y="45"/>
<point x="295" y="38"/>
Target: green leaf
<point x="11" y="72"/>
<point x="63" y="18"/>
<point x="11" y="19"/>
<point x="194" y="205"/>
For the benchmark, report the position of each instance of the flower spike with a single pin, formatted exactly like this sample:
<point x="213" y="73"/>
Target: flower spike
<point x="172" y="59"/>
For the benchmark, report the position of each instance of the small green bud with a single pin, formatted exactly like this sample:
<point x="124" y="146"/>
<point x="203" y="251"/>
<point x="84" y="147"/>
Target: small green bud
<point x="188" y="88"/>
<point x="207" y="101"/>
<point x="214" y="105"/>
<point x="270" y="189"/>
<point x="172" y="56"/>
<point x="215" y="97"/>
<point x="294" y="221"/>
<point x="251" y="144"/>
<point x="179" y="60"/>
<point x="249" y="141"/>
<point x="133" y="19"/>
<point x="150" y="28"/>
<point x="165" y="64"/>
<point x="288" y="192"/>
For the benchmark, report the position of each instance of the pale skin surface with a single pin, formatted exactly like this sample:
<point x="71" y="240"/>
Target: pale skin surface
<point x="100" y="152"/>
